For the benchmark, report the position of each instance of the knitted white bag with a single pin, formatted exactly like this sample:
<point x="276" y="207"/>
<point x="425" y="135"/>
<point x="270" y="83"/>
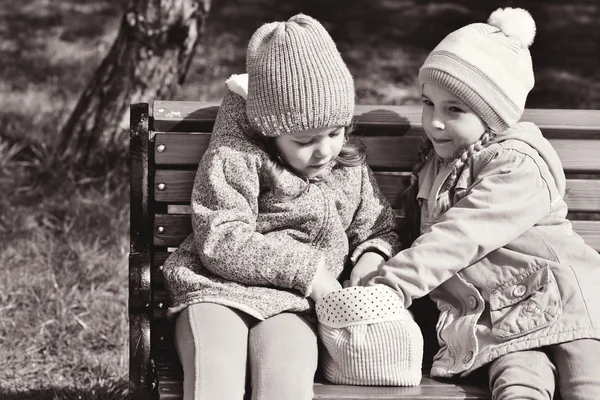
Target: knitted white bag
<point x="370" y="339"/>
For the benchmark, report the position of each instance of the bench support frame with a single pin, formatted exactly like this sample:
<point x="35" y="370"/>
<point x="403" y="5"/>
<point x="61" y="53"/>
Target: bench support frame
<point x="141" y="381"/>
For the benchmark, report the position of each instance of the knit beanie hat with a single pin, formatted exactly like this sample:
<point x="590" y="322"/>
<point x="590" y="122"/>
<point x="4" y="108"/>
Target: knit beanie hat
<point x="297" y="79"/>
<point x="369" y="338"/>
<point x="488" y="66"/>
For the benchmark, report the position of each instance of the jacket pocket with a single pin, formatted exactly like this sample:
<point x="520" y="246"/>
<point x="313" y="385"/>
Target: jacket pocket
<point x="525" y="304"/>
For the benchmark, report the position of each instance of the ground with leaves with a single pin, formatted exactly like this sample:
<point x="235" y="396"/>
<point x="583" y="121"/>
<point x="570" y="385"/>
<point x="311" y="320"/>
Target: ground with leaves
<point x="64" y="231"/>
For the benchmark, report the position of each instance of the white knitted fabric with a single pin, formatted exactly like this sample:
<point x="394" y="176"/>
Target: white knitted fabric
<point x="370" y="339"/>
<point x="488" y="66"/>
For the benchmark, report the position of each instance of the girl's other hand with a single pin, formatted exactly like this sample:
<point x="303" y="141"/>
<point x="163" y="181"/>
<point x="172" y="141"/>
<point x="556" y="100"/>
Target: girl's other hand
<point x="365" y="268"/>
<point x="322" y="284"/>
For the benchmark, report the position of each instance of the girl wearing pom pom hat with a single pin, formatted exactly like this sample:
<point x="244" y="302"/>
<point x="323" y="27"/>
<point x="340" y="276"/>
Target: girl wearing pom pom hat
<point x="517" y="289"/>
<point x="282" y="200"/>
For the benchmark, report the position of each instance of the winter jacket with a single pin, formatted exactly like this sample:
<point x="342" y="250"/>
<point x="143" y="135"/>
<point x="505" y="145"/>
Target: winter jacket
<point x="503" y="264"/>
<point x="257" y="254"/>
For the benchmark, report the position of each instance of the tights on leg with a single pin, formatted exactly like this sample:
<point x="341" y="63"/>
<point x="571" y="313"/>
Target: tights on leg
<point x="523" y="375"/>
<point x="283" y="358"/>
<point x="578" y="365"/>
<point x="212" y="344"/>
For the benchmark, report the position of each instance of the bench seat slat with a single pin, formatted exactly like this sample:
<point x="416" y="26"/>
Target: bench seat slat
<point x="582" y="195"/>
<point x="170" y="376"/>
<point x="391" y="152"/>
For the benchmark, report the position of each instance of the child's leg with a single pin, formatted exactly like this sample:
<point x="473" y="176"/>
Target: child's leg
<point x="578" y="365"/>
<point x="212" y="344"/>
<point x="283" y="358"/>
<point x="524" y="375"/>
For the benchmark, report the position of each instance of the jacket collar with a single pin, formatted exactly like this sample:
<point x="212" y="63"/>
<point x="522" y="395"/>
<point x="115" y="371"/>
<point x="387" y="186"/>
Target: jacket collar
<point x="431" y="179"/>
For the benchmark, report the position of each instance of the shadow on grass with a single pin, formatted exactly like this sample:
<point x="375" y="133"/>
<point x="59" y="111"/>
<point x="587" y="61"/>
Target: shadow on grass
<point x="118" y="391"/>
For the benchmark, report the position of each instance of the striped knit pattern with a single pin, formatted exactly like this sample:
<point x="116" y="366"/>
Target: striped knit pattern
<point x="488" y="70"/>
<point x="297" y="79"/>
<point x="369" y="338"/>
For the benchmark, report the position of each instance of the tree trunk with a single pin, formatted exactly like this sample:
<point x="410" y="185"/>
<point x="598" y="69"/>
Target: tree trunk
<point x="148" y="60"/>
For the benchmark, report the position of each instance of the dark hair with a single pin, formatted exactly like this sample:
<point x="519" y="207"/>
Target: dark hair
<point x="352" y="154"/>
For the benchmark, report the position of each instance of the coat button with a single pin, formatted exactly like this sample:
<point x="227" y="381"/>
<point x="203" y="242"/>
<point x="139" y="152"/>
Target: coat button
<point x="519" y="291"/>
<point x="473" y="302"/>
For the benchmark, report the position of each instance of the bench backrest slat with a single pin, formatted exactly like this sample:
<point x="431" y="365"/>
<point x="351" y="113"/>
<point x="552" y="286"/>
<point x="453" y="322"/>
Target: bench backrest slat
<point x="190" y="116"/>
<point x="176" y="188"/>
<point x="383" y="152"/>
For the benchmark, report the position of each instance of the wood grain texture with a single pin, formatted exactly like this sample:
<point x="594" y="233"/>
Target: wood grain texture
<point x="174" y="116"/>
<point x="170" y="386"/>
<point x="398" y="153"/>
<point x="140" y="297"/>
<point x="176" y="227"/>
<point x="175" y="186"/>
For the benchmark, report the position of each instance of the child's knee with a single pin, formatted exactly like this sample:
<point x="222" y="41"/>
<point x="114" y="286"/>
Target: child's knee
<point x="526" y="375"/>
<point x="283" y="358"/>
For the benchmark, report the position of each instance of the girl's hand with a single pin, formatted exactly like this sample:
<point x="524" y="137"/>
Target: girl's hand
<point x="365" y="268"/>
<point x="322" y="284"/>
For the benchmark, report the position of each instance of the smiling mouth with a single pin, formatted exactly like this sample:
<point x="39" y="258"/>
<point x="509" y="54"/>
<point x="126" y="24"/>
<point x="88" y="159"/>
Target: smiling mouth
<point x="441" y="140"/>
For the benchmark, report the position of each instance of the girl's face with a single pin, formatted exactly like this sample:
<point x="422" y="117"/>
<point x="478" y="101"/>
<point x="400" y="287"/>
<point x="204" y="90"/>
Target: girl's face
<point x="449" y="123"/>
<point x="310" y="151"/>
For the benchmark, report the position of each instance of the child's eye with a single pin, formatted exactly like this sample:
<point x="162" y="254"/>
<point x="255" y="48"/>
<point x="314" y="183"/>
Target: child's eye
<point x="305" y="144"/>
<point x="455" y="109"/>
<point x="428" y="103"/>
<point x="335" y="133"/>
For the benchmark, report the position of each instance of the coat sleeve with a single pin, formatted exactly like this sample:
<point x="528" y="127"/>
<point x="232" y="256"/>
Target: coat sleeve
<point x="374" y="224"/>
<point x="508" y="197"/>
<point x="225" y="208"/>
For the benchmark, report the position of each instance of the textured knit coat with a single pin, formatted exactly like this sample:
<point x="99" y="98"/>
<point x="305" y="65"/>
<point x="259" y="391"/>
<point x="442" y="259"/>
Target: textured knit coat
<point x="503" y="264"/>
<point x="257" y="254"/>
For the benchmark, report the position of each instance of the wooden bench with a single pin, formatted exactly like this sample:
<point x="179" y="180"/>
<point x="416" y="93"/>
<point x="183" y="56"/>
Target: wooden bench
<point x="167" y="141"/>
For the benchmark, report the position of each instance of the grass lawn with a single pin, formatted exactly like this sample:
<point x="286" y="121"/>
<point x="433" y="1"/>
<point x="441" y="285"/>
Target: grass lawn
<point x="64" y="232"/>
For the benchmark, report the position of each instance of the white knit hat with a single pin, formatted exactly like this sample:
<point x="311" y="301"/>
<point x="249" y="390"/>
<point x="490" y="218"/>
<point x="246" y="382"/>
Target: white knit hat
<point x="297" y="79"/>
<point x="370" y="339"/>
<point x="488" y="66"/>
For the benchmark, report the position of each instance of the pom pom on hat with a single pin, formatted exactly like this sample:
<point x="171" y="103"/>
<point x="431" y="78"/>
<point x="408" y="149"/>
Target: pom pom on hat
<point x="514" y="22"/>
<point x="238" y="83"/>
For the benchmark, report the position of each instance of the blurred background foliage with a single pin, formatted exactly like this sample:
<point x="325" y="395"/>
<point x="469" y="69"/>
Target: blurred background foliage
<point x="64" y="231"/>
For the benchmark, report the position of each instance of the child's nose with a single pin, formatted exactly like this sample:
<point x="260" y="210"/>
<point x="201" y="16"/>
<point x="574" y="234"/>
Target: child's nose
<point x="437" y="124"/>
<point x="322" y="151"/>
<point x="437" y="120"/>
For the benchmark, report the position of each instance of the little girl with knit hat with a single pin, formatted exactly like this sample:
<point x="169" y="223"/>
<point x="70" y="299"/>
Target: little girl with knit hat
<point x="282" y="200"/>
<point x="517" y="289"/>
